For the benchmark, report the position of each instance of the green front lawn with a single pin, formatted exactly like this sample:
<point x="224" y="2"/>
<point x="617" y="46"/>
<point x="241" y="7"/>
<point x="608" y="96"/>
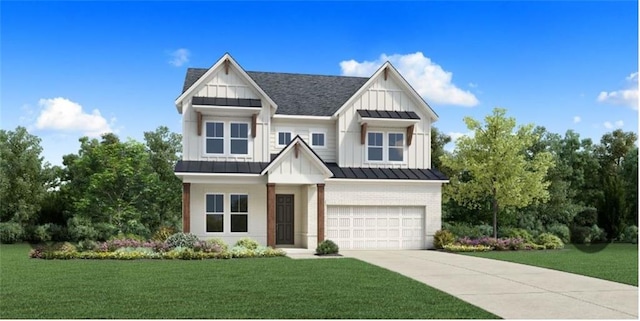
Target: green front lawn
<point x="617" y="262"/>
<point x="272" y="288"/>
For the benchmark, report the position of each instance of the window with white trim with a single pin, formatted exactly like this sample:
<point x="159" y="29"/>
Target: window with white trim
<point x="385" y="147"/>
<point x="239" y="138"/>
<point x="215" y="212"/>
<point x="239" y="212"/>
<point x="375" y="146"/>
<point x="226" y="138"/>
<point x="396" y="147"/>
<point x="284" y="138"/>
<point x="317" y="139"/>
<point x="214" y="138"/>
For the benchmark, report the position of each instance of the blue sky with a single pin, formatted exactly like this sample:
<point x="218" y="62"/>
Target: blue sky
<point x="78" y="68"/>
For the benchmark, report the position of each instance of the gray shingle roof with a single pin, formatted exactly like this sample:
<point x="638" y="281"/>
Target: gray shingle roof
<point x="298" y="94"/>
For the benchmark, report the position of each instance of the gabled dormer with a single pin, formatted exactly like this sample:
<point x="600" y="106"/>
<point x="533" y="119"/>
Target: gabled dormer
<point x="225" y="114"/>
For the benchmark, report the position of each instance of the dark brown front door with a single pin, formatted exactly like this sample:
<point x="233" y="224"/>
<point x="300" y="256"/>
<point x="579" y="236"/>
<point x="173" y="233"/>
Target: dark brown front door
<point x="284" y="219"/>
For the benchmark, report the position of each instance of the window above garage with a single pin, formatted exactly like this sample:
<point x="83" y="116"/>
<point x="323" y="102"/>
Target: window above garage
<point x="391" y="119"/>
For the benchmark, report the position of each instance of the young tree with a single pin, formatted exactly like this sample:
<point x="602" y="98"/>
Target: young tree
<point x="438" y="141"/>
<point x="497" y="166"/>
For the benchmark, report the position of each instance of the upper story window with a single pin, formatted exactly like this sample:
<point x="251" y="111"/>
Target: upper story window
<point x="284" y="138"/>
<point x="385" y="147"/>
<point x="215" y="138"/>
<point x="239" y="138"/>
<point x="230" y="138"/>
<point x="317" y="140"/>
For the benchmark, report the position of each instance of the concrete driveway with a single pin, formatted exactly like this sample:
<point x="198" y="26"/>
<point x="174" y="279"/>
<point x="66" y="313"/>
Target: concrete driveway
<point x="511" y="290"/>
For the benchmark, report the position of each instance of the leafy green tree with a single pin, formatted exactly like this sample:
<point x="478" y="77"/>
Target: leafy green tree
<point x="438" y="141"/>
<point x="164" y="148"/>
<point x="629" y="174"/>
<point x="497" y="165"/>
<point x="21" y="179"/>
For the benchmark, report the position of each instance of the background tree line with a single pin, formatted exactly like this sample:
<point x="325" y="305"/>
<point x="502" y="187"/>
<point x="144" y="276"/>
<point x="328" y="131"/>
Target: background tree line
<point x="529" y="178"/>
<point x="502" y="178"/>
<point x="108" y="187"/>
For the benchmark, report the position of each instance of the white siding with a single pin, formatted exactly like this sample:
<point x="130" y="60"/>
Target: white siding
<point x="304" y="128"/>
<point x="230" y="85"/>
<point x="390" y="194"/>
<point x="383" y="95"/>
<point x="296" y="170"/>
<point x="257" y="218"/>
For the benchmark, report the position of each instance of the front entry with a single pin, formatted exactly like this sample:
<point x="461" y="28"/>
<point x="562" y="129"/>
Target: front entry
<point x="284" y="219"/>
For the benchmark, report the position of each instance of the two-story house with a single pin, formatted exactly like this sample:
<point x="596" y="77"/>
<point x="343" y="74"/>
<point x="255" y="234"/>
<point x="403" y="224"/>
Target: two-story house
<point x="291" y="159"/>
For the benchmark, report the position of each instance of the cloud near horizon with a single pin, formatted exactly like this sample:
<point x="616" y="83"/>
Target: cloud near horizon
<point x="428" y="78"/>
<point x="625" y="97"/>
<point x="62" y="114"/>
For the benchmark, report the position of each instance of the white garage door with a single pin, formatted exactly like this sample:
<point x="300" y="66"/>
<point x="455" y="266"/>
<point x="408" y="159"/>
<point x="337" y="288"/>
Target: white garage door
<point x="374" y="227"/>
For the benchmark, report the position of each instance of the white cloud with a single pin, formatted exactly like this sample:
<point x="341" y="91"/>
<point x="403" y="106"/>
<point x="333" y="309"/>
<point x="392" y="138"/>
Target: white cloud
<point x="429" y="79"/>
<point x="625" y="97"/>
<point x="576" y="119"/>
<point x="179" y="57"/>
<point x="65" y="115"/>
<point x="616" y="124"/>
<point x="473" y="85"/>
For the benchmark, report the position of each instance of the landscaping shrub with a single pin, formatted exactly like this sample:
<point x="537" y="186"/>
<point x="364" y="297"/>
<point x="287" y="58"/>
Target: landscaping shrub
<point x="467" y="248"/>
<point x="532" y="246"/>
<point x="81" y="229"/>
<point x="127" y="236"/>
<point x="11" y="232"/>
<point x="561" y="231"/>
<point x="465" y="230"/>
<point x="219" y="242"/>
<point x="598" y="234"/>
<point x="502" y="244"/>
<point x="629" y="234"/>
<point x="136" y="228"/>
<point x="248" y="243"/>
<point x="520" y="234"/>
<point x="208" y="247"/>
<point x="586" y="217"/>
<point x="187" y="240"/>
<point x="163" y="233"/>
<point x="550" y="241"/>
<point x="442" y="238"/>
<point x="59" y="233"/>
<point x="484" y="229"/>
<point x="104" y="231"/>
<point x="42" y="233"/>
<point x="87" y="245"/>
<point x="327" y="247"/>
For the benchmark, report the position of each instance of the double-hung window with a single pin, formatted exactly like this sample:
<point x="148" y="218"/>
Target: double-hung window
<point x="317" y="140"/>
<point x="375" y="147"/>
<point x="239" y="138"/>
<point x="215" y="138"/>
<point x="215" y="212"/>
<point x="239" y="212"/>
<point x="236" y="213"/>
<point x="385" y="147"/>
<point x="227" y="138"/>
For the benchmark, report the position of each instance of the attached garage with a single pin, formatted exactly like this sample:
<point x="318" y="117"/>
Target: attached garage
<point x="376" y="227"/>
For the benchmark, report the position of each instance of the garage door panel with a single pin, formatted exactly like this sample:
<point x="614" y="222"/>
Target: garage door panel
<point x="370" y="227"/>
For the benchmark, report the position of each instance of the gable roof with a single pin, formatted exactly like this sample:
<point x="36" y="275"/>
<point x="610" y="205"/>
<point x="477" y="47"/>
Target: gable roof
<point x="295" y="141"/>
<point x="201" y="78"/>
<point x="387" y="68"/>
<point x="298" y="94"/>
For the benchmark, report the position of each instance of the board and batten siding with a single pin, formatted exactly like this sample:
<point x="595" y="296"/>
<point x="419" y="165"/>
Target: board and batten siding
<point x="304" y="128"/>
<point x="383" y="95"/>
<point x="230" y="85"/>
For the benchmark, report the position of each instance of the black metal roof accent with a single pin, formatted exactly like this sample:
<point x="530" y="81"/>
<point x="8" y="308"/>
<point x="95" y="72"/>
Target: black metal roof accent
<point x="298" y="94"/>
<point x="385" y="173"/>
<point x="219" y="167"/>
<point x="220" y="101"/>
<point x="387" y="114"/>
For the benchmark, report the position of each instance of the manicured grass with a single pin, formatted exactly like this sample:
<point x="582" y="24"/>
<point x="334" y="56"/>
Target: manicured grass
<point x="272" y="288"/>
<point x="616" y="262"/>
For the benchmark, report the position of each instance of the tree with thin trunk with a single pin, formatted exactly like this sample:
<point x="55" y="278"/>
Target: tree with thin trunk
<point x="497" y="162"/>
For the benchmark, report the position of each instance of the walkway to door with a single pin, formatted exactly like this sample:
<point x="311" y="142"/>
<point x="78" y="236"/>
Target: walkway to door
<point x="511" y="290"/>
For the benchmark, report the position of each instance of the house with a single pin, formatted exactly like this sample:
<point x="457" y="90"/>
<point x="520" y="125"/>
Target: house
<point x="291" y="160"/>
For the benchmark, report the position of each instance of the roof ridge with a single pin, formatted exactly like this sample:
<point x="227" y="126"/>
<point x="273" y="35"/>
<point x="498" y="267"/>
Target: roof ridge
<point x="303" y="74"/>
